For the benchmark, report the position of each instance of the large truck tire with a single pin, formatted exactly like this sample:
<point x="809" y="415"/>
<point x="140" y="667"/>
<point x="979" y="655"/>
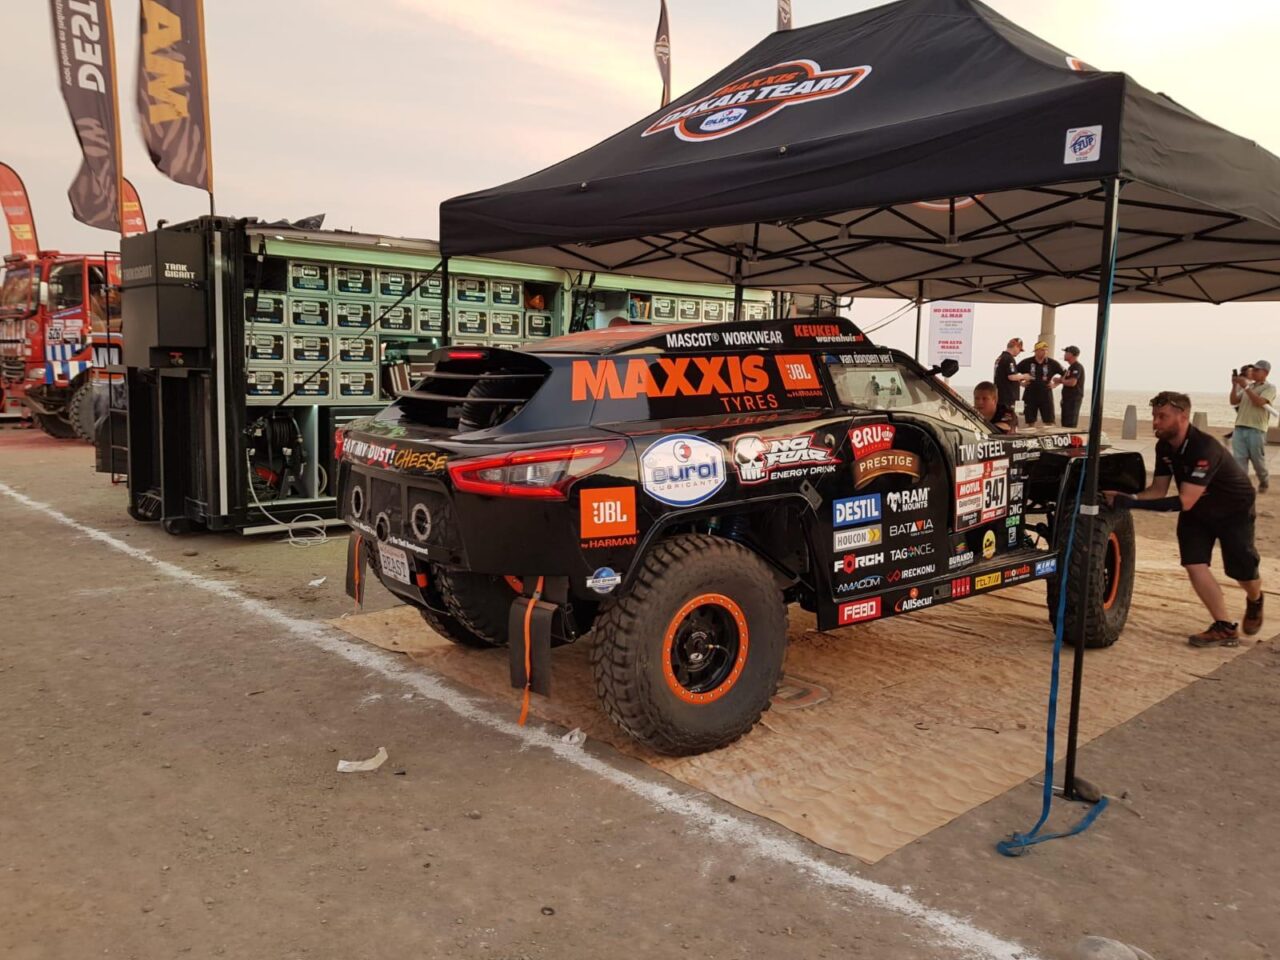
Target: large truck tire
<point x="80" y="411"/>
<point x="55" y="426"/>
<point x="1102" y="614"/>
<point x="687" y="657"/>
<point x="478" y="606"/>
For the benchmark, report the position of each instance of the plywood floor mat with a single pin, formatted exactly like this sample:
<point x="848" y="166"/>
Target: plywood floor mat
<point x="928" y="715"/>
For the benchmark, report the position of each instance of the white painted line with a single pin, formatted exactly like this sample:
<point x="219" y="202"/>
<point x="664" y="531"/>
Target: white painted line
<point x="742" y="834"/>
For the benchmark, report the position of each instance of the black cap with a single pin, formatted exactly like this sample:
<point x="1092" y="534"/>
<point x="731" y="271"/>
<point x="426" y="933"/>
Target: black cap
<point x="1075" y="350"/>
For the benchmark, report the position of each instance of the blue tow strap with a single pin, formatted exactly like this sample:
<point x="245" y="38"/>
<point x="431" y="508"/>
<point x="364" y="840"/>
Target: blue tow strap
<point x="1018" y="843"/>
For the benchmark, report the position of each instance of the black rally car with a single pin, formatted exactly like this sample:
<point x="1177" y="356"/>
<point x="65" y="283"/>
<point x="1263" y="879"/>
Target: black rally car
<point x="666" y="492"/>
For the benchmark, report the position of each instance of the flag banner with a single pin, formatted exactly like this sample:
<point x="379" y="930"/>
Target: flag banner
<point x="173" y="90"/>
<point x="951" y="332"/>
<point x="662" y="53"/>
<point x="17" y="213"/>
<point x="784" y="14"/>
<point x="135" y="219"/>
<point x="85" y="51"/>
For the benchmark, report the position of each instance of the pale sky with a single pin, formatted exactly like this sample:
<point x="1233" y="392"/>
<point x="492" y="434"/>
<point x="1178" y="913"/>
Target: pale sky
<point x="376" y="111"/>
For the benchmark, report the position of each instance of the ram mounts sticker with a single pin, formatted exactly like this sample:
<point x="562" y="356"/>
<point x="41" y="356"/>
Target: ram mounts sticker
<point x="682" y="470"/>
<point x="758" y="458"/>
<point x="608" y="517"/>
<point x="753" y="97"/>
<point x="908" y="501"/>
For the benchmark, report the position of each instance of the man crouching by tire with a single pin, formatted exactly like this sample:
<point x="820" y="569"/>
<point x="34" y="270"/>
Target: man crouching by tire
<point x="1215" y="501"/>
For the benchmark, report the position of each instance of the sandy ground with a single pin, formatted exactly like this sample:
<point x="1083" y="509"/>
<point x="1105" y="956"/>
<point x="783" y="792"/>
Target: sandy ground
<point x="170" y="792"/>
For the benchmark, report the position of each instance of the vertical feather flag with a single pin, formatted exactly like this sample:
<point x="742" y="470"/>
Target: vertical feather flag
<point x="662" y="53"/>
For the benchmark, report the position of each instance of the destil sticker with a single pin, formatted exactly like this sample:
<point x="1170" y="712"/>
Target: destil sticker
<point x="852" y="511"/>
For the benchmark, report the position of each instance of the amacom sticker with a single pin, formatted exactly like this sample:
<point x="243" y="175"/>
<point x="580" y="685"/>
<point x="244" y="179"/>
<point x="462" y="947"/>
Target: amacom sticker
<point x="755" y="96"/>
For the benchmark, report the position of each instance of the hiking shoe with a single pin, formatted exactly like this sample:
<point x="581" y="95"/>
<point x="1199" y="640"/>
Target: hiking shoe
<point x="1219" y="634"/>
<point x="1252" y="616"/>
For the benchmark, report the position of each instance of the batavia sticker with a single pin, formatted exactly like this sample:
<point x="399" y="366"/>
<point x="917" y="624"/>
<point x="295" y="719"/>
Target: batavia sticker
<point x="755" y="96"/>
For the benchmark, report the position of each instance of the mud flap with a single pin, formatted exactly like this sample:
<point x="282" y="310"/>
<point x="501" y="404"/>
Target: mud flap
<point x="357" y="567"/>
<point x="539" y="640"/>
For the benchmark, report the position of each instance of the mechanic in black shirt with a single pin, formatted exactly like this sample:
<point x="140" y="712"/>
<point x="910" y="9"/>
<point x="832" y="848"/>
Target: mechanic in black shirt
<point x="1007" y="379"/>
<point x="1215" y="501"/>
<point x="1072" y="387"/>
<point x="1041" y="372"/>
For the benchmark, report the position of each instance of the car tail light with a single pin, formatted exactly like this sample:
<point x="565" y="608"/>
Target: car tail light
<point x="538" y="474"/>
<point x="466" y="355"/>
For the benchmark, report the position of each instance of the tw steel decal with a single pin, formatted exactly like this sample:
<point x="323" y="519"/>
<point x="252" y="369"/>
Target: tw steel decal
<point x="755" y="96"/>
<point x="758" y="459"/>
<point x="669" y="377"/>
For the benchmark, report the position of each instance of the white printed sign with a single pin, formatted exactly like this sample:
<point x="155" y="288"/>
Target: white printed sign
<point x="951" y="332"/>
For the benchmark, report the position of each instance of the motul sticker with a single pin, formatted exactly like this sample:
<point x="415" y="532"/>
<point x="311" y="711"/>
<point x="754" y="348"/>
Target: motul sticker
<point x="758" y="459"/>
<point x="755" y="96"/>
<point x="859" y="610"/>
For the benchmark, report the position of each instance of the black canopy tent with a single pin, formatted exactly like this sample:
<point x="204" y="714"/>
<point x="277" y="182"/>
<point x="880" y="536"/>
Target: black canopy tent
<point x="925" y="149"/>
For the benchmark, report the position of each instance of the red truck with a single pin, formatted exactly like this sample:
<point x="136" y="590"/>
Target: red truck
<point x="58" y="317"/>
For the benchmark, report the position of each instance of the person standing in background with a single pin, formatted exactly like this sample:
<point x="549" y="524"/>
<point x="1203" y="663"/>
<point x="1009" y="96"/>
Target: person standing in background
<point x="1072" y="387"/>
<point x="1041" y="372"/>
<point x="1007" y="379"/>
<point x="1250" y="394"/>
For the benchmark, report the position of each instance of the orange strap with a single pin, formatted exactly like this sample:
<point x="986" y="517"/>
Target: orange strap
<point x="355" y="582"/>
<point x="528" y="652"/>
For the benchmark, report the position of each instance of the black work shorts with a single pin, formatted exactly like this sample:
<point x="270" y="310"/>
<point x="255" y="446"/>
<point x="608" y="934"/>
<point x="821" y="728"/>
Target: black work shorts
<point x="1196" y="536"/>
<point x="1037" y="405"/>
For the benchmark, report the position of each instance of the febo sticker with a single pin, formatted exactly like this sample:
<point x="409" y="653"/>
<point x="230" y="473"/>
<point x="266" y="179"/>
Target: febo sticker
<point x="682" y="470"/>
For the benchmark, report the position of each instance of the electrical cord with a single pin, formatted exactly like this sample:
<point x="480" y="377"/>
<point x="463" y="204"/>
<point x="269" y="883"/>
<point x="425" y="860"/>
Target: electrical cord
<point x="302" y="522"/>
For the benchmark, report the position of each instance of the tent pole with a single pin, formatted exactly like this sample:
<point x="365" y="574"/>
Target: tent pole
<point x="737" y="288"/>
<point x="1089" y="497"/>
<point x="919" y="311"/>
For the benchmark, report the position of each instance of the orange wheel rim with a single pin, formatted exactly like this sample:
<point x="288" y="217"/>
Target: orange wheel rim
<point x="1113" y="562"/>
<point x="698" y="662"/>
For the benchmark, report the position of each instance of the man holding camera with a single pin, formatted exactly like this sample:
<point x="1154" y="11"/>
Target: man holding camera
<point x="1250" y="395"/>
<point x="1215" y="503"/>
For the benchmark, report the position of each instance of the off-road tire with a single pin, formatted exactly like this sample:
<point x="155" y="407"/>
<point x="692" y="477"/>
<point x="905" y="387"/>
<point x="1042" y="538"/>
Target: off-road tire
<point x="80" y="412"/>
<point x="55" y="426"/>
<point x="629" y="645"/>
<point x="1102" y="614"/>
<point x="478" y="603"/>
<point x="451" y="629"/>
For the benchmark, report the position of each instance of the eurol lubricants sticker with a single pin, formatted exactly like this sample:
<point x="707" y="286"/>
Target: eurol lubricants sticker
<point x="683" y="470"/>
